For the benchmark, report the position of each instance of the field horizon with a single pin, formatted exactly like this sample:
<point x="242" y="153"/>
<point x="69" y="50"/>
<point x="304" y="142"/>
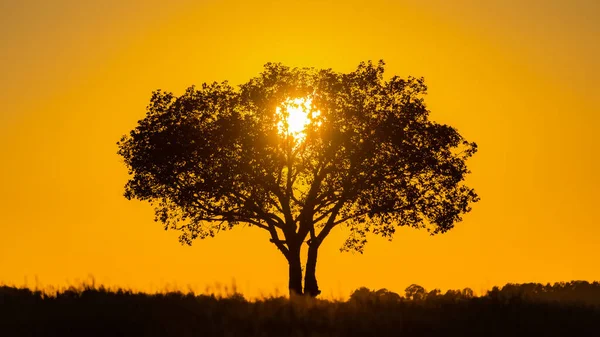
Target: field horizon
<point x="566" y="308"/>
<point x="226" y="290"/>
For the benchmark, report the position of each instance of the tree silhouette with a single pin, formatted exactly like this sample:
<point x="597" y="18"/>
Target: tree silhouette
<point x="415" y="292"/>
<point x="216" y="157"/>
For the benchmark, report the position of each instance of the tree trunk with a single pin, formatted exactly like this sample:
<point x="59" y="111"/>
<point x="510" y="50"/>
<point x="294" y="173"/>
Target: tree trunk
<point x="295" y="275"/>
<point x="310" y="278"/>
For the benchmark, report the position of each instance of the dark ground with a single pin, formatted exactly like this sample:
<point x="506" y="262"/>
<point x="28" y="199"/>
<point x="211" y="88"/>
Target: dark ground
<point x="565" y="309"/>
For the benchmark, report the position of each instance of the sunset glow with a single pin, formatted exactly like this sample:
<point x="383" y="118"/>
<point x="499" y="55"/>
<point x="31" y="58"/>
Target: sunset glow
<point x="295" y="116"/>
<point x="519" y="78"/>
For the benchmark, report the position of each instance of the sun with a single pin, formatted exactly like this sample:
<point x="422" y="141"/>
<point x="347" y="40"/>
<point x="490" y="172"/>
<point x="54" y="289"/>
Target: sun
<point x="296" y="115"/>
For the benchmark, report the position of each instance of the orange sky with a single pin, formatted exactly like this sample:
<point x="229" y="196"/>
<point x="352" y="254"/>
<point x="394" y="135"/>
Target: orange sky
<point x="521" y="78"/>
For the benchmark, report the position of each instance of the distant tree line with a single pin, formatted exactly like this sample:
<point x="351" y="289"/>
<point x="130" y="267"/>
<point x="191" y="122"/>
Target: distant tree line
<point x="574" y="291"/>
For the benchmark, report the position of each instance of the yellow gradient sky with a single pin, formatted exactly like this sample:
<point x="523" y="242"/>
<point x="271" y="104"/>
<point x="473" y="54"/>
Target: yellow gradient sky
<point x="521" y="78"/>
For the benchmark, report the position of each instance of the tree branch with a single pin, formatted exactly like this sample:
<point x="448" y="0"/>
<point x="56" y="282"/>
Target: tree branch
<point x="331" y="221"/>
<point x="278" y="243"/>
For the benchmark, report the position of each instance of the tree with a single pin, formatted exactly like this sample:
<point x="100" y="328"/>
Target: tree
<point x="370" y="160"/>
<point x="415" y="292"/>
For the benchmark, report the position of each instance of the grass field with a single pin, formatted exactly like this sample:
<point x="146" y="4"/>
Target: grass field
<point x="563" y="309"/>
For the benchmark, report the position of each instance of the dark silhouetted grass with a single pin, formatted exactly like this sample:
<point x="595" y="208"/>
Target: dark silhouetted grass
<point x="514" y="310"/>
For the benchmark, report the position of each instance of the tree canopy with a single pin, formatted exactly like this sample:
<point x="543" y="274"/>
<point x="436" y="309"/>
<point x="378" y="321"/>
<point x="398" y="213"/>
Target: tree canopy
<point x="370" y="159"/>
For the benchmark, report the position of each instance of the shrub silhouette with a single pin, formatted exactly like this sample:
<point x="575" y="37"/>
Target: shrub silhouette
<point x="364" y="295"/>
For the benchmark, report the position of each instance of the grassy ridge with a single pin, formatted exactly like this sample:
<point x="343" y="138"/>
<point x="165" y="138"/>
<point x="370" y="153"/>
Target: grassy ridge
<point x="510" y="311"/>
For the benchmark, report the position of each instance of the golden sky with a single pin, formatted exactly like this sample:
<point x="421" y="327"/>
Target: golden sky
<point x="520" y="78"/>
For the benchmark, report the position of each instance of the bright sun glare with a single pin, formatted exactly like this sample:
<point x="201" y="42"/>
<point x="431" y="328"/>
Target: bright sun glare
<point x="296" y="115"/>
